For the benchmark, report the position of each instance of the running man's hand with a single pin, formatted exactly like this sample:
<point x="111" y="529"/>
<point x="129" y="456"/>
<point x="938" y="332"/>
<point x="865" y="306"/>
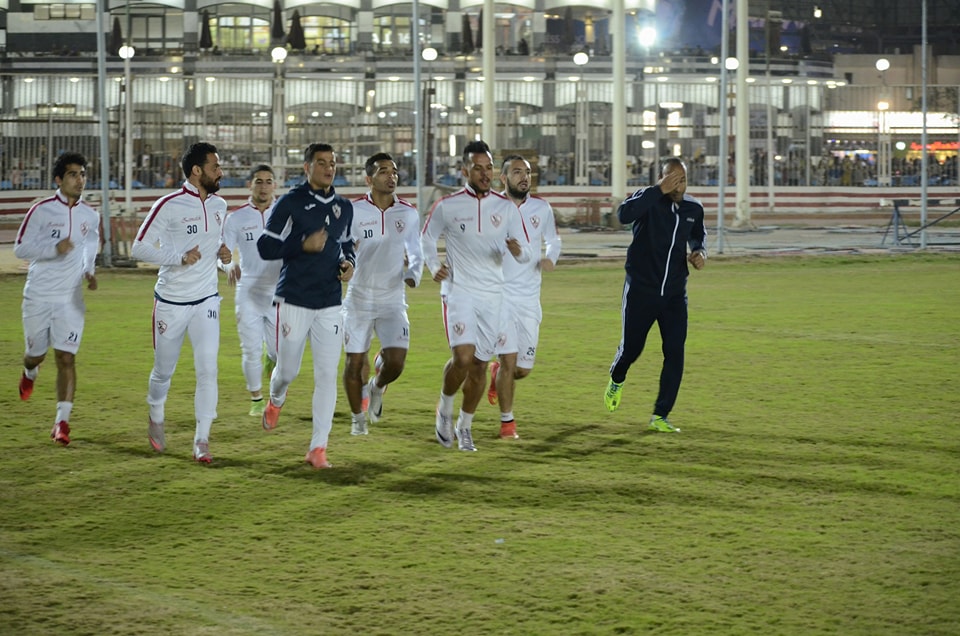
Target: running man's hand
<point x="64" y="246"/>
<point x="316" y="241"/>
<point x="91" y="281"/>
<point x="546" y="265"/>
<point x="514" y="246"/>
<point x="233" y="275"/>
<point x="697" y="259"/>
<point x="224" y="254"/>
<point x="670" y="182"/>
<point x="442" y="274"/>
<point x="191" y="257"/>
<point x="346" y="271"/>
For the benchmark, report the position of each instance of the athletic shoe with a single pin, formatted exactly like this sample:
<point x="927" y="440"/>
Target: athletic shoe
<point x="201" y="452"/>
<point x="61" y="433"/>
<point x="358" y="425"/>
<point x="271" y="414"/>
<point x="661" y="425"/>
<point x="508" y="430"/>
<point x="492" y="392"/>
<point x="375" y="408"/>
<point x="365" y="403"/>
<point x="465" y="440"/>
<point x="444" y="429"/>
<point x="257" y="407"/>
<point x="318" y="458"/>
<point x="157" y="439"/>
<point x="26" y="386"/>
<point x="612" y="396"/>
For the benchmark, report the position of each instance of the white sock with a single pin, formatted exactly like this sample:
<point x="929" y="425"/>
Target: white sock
<point x="506" y="417"/>
<point x="63" y="411"/>
<point x="32" y="373"/>
<point x="446" y="404"/>
<point x="465" y="420"/>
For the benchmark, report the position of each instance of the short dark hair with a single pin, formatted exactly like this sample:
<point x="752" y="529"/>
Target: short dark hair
<point x="314" y="148"/>
<point x="671" y="161"/>
<point x="508" y="160"/>
<point x="261" y="168"/>
<point x="371" y="165"/>
<point x="474" y="147"/>
<point x="196" y="155"/>
<point x="60" y="167"/>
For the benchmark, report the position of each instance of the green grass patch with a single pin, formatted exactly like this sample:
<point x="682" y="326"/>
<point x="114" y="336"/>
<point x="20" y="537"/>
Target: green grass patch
<point x="814" y="488"/>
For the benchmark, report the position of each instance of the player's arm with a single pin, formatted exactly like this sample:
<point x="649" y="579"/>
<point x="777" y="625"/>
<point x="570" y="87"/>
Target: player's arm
<point x="638" y="205"/>
<point x="551" y="240"/>
<point x="698" y="243"/>
<point x="431" y="233"/>
<point x="278" y="240"/>
<point x="34" y="241"/>
<point x="348" y="248"/>
<point x="518" y="241"/>
<point x="413" y="269"/>
<point x="153" y="243"/>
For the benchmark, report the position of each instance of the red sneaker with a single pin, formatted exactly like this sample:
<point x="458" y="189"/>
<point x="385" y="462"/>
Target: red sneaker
<point x="318" y="458"/>
<point x="201" y="453"/>
<point x="271" y="415"/>
<point x="492" y="393"/>
<point x="26" y="386"/>
<point x="61" y="433"/>
<point x="508" y="430"/>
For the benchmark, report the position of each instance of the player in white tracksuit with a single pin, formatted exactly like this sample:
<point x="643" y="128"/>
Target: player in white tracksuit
<point x="387" y="231"/>
<point x="60" y="236"/>
<point x="256" y="281"/>
<point x="480" y="229"/>
<point x="181" y="234"/>
<point x="521" y="317"/>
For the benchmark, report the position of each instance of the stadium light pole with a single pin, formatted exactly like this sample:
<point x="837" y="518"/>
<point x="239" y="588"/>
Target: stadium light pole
<point x="278" y="55"/>
<point x="126" y="54"/>
<point x="106" y="256"/>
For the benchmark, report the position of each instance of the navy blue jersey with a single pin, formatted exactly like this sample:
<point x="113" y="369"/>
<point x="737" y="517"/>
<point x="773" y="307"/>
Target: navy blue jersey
<point x="662" y="231"/>
<point x="309" y="280"/>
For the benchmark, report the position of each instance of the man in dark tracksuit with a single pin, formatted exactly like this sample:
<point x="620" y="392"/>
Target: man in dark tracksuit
<point x="310" y="230"/>
<point x="665" y="221"/>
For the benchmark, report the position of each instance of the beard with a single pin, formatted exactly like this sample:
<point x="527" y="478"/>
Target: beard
<point x="210" y="185"/>
<point x="516" y="193"/>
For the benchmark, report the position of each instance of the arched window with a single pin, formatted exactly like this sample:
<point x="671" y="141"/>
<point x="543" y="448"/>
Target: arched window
<point x="240" y="28"/>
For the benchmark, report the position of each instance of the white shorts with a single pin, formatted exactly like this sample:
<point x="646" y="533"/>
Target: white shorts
<point x="521" y="331"/>
<point x="58" y="325"/>
<point x="392" y="329"/>
<point x="473" y="319"/>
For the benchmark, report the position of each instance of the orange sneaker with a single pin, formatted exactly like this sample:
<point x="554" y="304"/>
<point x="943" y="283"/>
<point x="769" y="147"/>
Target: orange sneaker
<point x="61" y="433"/>
<point x="508" y="430"/>
<point x="492" y="393"/>
<point x="26" y="386"/>
<point x="271" y="415"/>
<point x="318" y="458"/>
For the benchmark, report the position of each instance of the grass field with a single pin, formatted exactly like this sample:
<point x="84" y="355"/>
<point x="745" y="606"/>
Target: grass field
<point x="815" y="488"/>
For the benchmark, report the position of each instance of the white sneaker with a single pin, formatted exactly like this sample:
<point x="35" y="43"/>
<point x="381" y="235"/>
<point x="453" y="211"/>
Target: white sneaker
<point x="444" y="429"/>
<point x="358" y="425"/>
<point x="201" y="452"/>
<point x="155" y="432"/>
<point x="375" y="409"/>
<point x="465" y="439"/>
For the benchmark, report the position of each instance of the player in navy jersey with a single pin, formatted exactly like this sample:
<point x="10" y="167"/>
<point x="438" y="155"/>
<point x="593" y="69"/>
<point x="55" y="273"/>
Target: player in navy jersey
<point x="310" y="231"/>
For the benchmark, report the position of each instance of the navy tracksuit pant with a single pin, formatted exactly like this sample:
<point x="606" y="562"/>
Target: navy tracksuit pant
<point x="640" y="309"/>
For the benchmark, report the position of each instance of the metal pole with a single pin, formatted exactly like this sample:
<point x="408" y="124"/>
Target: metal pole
<point x="107" y="254"/>
<point x="743" y="118"/>
<point x="618" y="167"/>
<point x="923" y="136"/>
<point x="489" y="110"/>
<point x="770" y="145"/>
<point x="128" y="121"/>
<point x="722" y="152"/>
<point x="419" y="104"/>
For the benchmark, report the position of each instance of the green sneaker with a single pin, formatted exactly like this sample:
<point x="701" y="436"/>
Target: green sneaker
<point x="611" y="398"/>
<point x="256" y="407"/>
<point x="661" y="425"/>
